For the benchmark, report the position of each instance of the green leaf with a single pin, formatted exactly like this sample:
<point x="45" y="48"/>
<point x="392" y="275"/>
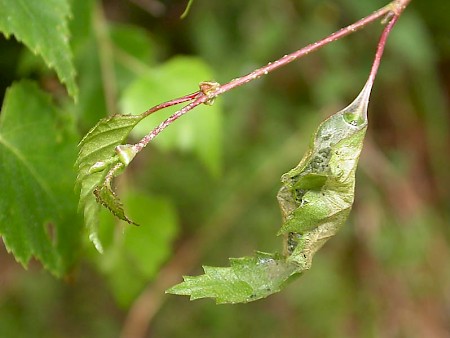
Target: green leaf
<point x="200" y="131"/>
<point x="134" y="256"/>
<point x="43" y="27"/>
<point x="97" y="156"/>
<point x="38" y="214"/>
<point x="320" y="189"/>
<point x="315" y="200"/>
<point x="311" y="181"/>
<point x="106" y="196"/>
<point x="247" y="279"/>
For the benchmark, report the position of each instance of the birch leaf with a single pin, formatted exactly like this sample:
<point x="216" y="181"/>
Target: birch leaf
<point x="246" y="280"/>
<point x="97" y="156"/>
<point x="38" y="216"/>
<point x="315" y="200"/>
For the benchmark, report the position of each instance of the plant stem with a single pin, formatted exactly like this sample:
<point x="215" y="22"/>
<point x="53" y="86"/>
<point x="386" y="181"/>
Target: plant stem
<point x="397" y="8"/>
<point x="170" y="103"/>
<point x="147" y="138"/>
<point x="380" y="48"/>
<point x="271" y="66"/>
<point x="393" y="9"/>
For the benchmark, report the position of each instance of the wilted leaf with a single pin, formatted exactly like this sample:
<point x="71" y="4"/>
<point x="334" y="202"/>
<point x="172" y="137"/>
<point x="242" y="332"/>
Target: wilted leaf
<point x="43" y="27"/>
<point x="315" y="200"/>
<point x="37" y="205"/>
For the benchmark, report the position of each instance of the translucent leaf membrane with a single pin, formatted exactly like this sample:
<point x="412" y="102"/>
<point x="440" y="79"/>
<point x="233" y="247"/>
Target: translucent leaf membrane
<point x="315" y="200"/>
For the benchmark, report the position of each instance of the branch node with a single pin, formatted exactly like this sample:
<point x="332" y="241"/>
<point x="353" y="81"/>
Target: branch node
<point x="209" y="89"/>
<point x="388" y="17"/>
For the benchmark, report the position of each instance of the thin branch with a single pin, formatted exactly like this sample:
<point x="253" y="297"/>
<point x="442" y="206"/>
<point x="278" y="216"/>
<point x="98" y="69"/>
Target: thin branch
<point x="207" y="96"/>
<point x="170" y="103"/>
<point x="163" y="125"/>
<point x="271" y="66"/>
<point x="397" y="7"/>
<point x="380" y="48"/>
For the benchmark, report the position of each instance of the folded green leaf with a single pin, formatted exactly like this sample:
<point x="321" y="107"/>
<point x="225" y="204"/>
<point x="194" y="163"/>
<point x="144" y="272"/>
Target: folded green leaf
<point x="320" y="189"/>
<point x="106" y="196"/>
<point x="97" y="156"/>
<point x="315" y="200"/>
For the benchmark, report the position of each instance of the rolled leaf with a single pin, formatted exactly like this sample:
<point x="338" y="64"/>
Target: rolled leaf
<point x="315" y="200"/>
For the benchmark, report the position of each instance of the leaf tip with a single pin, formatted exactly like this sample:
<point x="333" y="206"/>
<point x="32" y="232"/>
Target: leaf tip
<point x="93" y="237"/>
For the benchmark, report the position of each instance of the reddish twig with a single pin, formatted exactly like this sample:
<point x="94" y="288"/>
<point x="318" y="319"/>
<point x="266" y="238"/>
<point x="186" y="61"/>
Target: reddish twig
<point x="141" y="313"/>
<point x="206" y="95"/>
<point x="171" y="103"/>
<point x="380" y="48"/>
<point x="391" y="11"/>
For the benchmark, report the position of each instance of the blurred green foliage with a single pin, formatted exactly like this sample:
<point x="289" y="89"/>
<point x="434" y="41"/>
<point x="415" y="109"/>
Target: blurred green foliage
<point x="387" y="274"/>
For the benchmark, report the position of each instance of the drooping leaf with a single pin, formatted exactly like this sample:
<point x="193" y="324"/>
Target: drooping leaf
<point x="247" y="279"/>
<point x="330" y="161"/>
<point x="315" y="200"/>
<point x="133" y="258"/>
<point x="37" y="205"/>
<point x="200" y="132"/>
<point x="97" y="156"/>
<point x="43" y="27"/>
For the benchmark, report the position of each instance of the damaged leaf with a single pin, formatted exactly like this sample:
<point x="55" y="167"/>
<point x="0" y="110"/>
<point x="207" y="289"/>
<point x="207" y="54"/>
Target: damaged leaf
<point x="315" y="200"/>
